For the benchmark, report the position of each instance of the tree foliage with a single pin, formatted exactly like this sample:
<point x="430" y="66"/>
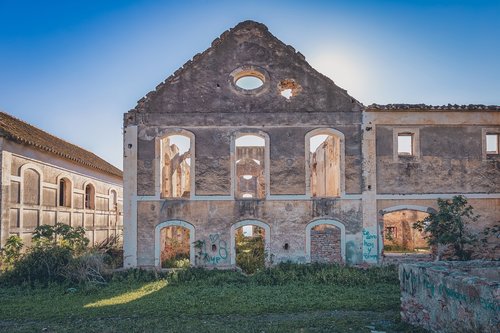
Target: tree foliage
<point x="62" y="235"/>
<point x="11" y="251"/>
<point x="449" y="226"/>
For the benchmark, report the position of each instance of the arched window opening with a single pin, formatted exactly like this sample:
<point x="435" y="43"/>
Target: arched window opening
<point x="31" y="187"/>
<point x="175" y="247"/>
<point x="176" y="166"/>
<point x="250" y="160"/>
<point x="324" y="163"/>
<point x="399" y="235"/>
<point x="89" y="196"/>
<point x="65" y="192"/>
<point x="250" y="248"/>
<point x="326" y="244"/>
<point x="114" y="200"/>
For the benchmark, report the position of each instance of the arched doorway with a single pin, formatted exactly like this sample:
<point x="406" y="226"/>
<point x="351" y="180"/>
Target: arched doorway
<point x="250" y="241"/>
<point x="174" y="244"/>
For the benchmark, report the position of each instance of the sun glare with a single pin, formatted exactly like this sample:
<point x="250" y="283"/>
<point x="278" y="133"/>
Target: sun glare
<point x="130" y="296"/>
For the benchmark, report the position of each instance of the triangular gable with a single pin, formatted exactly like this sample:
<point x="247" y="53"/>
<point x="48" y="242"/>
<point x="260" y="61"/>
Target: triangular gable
<point x="207" y="82"/>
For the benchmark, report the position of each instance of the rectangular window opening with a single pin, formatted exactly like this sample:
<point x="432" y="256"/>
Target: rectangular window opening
<point x="405" y="144"/>
<point x="491" y="143"/>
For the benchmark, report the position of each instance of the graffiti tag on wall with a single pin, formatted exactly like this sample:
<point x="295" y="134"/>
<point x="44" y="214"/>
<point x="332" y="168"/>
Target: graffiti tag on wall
<point x="411" y="282"/>
<point x="369" y="246"/>
<point x="212" y="252"/>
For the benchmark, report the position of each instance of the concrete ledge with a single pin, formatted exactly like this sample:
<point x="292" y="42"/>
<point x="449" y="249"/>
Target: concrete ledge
<point x="451" y="296"/>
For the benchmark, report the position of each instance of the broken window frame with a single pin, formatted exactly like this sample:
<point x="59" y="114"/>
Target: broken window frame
<point x="341" y="178"/>
<point x="495" y="136"/>
<point x="234" y="157"/>
<point x="160" y="162"/>
<point x="402" y="152"/>
<point x="414" y="132"/>
<point x="490" y="154"/>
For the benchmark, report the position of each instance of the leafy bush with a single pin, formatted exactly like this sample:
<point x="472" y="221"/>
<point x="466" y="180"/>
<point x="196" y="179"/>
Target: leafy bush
<point x="55" y="252"/>
<point x="180" y="260"/>
<point x="40" y="265"/>
<point x="250" y="254"/>
<point x="62" y="235"/>
<point x="449" y="226"/>
<point x="11" y="252"/>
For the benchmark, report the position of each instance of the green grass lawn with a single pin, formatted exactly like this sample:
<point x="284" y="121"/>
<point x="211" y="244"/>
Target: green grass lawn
<point x="214" y="302"/>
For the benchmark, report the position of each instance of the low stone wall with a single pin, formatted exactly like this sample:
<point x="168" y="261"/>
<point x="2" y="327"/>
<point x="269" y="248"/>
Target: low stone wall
<point x="451" y="296"/>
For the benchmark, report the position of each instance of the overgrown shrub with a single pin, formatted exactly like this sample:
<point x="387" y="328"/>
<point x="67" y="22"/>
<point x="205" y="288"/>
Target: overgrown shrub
<point x="11" y="252"/>
<point x="90" y="267"/>
<point x="58" y="255"/>
<point x="250" y="254"/>
<point x="449" y="227"/>
<point x="112" y="249"/>
<point x="62" y="235"/>
<point x="324" y="274"/>
<point x="40" y="265"/>
<point x="286" y="273"/>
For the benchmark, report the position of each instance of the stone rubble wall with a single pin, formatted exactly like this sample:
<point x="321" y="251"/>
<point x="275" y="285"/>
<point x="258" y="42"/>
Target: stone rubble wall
<point x="451" y="296"/>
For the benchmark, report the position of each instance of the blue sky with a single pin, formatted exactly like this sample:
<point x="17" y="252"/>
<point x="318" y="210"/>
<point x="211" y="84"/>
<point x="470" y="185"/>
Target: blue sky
<point x="74" y="67"/>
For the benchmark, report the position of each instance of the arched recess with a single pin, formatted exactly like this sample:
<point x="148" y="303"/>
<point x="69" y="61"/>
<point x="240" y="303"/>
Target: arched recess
<point x="31" y="184"/>
<point x="332" y="152"/>
<point x="319" y="222"/>
<point x="267" y="236"/>
<point x="250" y="164"/>
<point x="64" y="190"/>
<point x="171" y="223"/>
<point x="176" y="164"/>
<point x="397" y="232"/>
<point x="113" y="199"/>
<point x="89" y="195"/>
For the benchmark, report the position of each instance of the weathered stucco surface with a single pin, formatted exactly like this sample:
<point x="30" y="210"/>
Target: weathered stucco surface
<point x="450" y="161"/>
<point x="451" y="296"/>
<point x="202" y="99"/>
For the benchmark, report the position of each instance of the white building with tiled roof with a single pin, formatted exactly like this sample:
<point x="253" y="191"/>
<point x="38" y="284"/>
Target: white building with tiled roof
<point x="46" y="180"/>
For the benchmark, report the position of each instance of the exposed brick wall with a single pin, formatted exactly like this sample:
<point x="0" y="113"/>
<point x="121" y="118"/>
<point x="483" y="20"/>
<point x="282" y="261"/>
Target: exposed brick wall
<point x="326" y="244"/>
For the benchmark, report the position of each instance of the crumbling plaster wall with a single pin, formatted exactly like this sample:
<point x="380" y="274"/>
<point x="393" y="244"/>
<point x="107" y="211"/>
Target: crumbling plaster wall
<point x="201" y="98"/>
<point x="451" y="296"/>
<point x="213" y="157"/>
<point x="450" y="161"/>
<point x="213" y="220"/>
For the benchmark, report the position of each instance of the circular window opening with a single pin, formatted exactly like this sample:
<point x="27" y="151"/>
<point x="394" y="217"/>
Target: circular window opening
<point x="249" y="82"/>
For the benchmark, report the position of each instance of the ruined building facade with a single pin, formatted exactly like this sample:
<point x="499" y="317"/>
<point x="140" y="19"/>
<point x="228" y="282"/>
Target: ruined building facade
<point x="46" y="180"/>
<point x="292" y="155"/>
